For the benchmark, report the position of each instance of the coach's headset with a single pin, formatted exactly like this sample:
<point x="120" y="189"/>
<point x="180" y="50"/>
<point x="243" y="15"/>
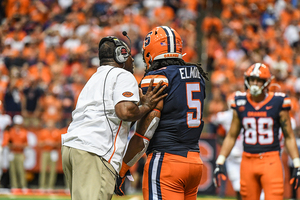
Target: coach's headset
<point x="121" y="53"/>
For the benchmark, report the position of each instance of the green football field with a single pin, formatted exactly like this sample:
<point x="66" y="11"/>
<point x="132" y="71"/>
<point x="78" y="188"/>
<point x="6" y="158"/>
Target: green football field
<point x="57" y="197"/>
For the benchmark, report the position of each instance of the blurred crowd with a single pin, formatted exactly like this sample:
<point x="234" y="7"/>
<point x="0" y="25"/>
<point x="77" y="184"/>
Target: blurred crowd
<point x="49" y="49"/>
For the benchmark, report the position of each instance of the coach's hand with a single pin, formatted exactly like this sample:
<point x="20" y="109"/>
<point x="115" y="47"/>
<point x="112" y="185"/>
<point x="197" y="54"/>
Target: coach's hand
<point x="153" y="95"/>
<point x="119" y="183"/>
<point x="219" y="174"/>
<point x="295" y="180"/>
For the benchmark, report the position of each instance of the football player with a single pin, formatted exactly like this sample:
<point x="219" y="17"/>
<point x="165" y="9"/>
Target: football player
<point x="171" y="131"/>
<point x="261" y="114"/>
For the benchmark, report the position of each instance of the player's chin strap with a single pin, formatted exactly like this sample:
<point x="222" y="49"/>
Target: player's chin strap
<point x="146" y="138"/>
<point x="254" y="89"/>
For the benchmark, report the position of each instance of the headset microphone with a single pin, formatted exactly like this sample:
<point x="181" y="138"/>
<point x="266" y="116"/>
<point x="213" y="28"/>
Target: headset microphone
<point x="125" y="34"/>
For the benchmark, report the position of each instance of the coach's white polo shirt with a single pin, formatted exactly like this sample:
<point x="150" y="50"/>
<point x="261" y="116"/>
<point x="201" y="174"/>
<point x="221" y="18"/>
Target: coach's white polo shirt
<point x="93" y="131"/>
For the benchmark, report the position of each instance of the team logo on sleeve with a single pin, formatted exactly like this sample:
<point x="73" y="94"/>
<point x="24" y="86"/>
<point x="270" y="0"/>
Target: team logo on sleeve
<point x="127" y="94"/>
<point x="242" y="108"/>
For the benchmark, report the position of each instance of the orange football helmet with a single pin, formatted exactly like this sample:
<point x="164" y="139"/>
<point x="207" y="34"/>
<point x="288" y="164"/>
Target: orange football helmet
<point x="260" y="71"/>
<point x="160" y="43"/>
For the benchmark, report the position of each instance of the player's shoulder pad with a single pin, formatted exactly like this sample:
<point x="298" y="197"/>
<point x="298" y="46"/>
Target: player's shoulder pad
<point x="157" y="78"/>
<point x="286" y="100"/>
<point x="240" y="94"/>
<point x="238" y="99"/>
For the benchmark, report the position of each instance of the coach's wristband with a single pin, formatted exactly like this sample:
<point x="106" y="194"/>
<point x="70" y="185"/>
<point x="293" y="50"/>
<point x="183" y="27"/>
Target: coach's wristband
<point x="296" y="162"/>
<point x="220" y="160"/>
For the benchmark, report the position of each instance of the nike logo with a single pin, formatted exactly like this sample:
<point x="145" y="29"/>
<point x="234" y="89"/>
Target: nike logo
<point x="269" y="107"/>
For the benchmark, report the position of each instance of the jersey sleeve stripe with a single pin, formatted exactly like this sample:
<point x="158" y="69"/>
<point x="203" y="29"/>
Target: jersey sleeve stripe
<point x="153" y="76"/>
<point x="157" y="78"/>
<point x="154" y="84"/>
<point x="286" y="102"/>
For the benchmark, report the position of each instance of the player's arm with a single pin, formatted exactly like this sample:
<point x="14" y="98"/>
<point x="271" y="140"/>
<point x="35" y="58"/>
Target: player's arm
<point x="138" y="144"/>
<point x="291" y="146"/>
<point x="146" y="127"/>
<point x="129" y="111"/>
<point x="231" y="136"/>
<point x="288" y="133"/>
<point x="233" y="133"/>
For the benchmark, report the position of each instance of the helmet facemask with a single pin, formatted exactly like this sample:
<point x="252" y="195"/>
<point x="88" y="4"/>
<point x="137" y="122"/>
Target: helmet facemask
<point x="255" y="90"/>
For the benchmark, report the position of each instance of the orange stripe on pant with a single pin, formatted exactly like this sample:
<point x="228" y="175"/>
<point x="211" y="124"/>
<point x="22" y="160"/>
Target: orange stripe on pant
<point x="174" y="177"/>
<point x="261" y="171"/>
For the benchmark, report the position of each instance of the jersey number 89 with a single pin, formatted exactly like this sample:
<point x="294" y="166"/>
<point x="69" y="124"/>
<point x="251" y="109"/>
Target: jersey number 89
<point x="258" y="130"/>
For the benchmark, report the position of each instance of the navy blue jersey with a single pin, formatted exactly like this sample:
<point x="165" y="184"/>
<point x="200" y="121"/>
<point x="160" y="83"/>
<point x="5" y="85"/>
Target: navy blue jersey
<point x="260" y="121"/>
<point x="181" y="122"/>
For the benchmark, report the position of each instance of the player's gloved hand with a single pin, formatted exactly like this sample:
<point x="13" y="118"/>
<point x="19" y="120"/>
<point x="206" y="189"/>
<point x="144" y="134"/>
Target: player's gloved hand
<point x="219" y="174"/>
<point x="120" y="181"/>
<point x="295" y="180"/>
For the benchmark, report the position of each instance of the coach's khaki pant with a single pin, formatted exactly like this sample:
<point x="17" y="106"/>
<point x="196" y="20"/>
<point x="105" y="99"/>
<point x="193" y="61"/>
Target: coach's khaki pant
<point x="47" y="180"/>
<point x="87" y="176"/>
<point x="17" y="171"/>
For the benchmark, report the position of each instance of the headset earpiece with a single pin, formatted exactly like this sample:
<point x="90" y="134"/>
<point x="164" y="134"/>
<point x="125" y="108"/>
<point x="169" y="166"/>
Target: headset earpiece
<point x="121" y="53"/>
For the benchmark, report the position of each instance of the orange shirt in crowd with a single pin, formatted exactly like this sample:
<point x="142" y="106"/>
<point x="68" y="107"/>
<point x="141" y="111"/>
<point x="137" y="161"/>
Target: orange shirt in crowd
<point x="17" y="35"/>
<point x="49" y="139"/>
<point x="52" y="108"/>
<point x="226" y="13"/>
<point x="190" y="54"/>
<point x="16" y="138"/>
<point x="227" y="2"/>
<point x="16" y="7"/>
<point x="190" y="4"/>
<point x="211" y="21"/>
<point x="40" y="71"/>
<point x="164" y="14"/>
<point x="50" y="57"/>
<point x="240" y="9"/>
<point x="285" y="19"/>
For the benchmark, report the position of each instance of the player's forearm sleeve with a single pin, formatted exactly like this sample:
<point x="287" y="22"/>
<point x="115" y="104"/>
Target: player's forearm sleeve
<point x="146" y="139"/>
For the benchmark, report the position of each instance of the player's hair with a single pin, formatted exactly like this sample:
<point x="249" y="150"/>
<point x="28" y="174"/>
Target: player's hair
<point x="106" y="52"/>
<point x="157" y="64"/>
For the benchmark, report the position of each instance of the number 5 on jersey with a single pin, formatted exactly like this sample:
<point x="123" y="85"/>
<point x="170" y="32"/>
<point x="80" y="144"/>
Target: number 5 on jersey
<point x="193" y="122"/>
